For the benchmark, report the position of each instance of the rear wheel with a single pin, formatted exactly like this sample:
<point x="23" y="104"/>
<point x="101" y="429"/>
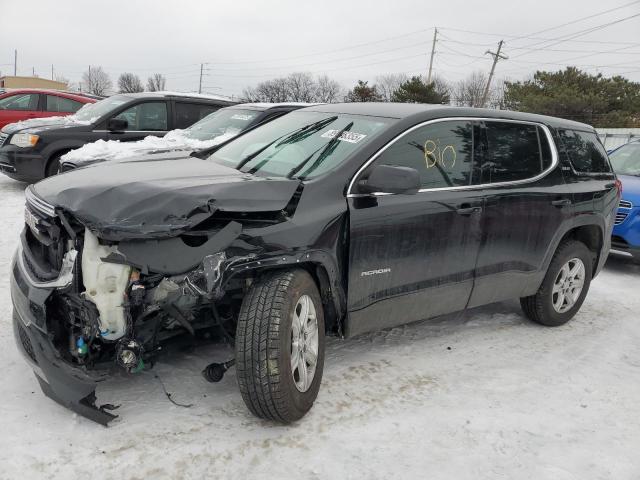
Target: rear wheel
<point x="564" y="287"/>
<point x="280" y="346"/>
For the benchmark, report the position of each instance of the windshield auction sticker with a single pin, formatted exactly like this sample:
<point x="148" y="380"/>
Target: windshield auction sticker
<point x="351" y="137"/>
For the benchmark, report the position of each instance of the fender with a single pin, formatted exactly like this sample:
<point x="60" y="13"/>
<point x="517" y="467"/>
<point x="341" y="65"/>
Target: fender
<point x="579" y="221"/>
<point x="314" y="257"/>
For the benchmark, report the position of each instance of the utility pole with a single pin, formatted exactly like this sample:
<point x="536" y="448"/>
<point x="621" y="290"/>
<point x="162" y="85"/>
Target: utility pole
<point x="200" y="86"/>
<point x="52" y="71"/>
<point x="15" y="63"/>
<point x="433" y="52"/>
<point x="496" y="56"/>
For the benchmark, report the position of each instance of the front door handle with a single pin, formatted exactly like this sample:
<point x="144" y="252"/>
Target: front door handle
<point x="468" y="210"/>
<point x="562" y="202"/>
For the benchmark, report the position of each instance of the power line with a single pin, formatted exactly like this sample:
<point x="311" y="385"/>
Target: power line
<point x="585" y="18"/>
<point x="580" y="33"/>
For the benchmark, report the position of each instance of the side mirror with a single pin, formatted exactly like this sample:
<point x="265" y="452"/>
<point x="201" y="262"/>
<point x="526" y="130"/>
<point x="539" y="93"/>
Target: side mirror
<point x="117" y="125"/>
<point x="391" y="179"/>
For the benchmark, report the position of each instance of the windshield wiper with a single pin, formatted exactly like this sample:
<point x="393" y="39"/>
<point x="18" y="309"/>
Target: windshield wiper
<point x="287" y="138"/>
<point x="326" y="151"/>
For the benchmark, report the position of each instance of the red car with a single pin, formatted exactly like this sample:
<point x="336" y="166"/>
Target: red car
<point x="22" y="104"/>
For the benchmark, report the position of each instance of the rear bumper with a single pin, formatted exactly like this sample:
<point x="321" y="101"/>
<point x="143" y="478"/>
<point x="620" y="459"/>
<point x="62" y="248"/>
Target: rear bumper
<point x="70" y="385"/>
<point x="22" y="164"/>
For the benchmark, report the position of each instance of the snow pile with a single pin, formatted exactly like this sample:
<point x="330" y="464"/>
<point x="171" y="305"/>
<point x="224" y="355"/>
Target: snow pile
<point x="117" y="150"/>
<point x="44" y="121"/>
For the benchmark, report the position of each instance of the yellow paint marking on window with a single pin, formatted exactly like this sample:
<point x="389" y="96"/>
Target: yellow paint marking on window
<point x="433" y="153"/>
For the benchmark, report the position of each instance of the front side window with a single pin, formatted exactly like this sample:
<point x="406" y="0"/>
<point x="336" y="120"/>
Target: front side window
<point x="441" y="152"/>
<point x="586" y="153"/>
<point x="626" y="159"/>
<point x="62" y="104"/>
<point x="148" y="116"/>
<point x="513" y="151"/>
<point x="189" y="113"/>
<point x="300" y="145"/>
<point x="24" y="102"/>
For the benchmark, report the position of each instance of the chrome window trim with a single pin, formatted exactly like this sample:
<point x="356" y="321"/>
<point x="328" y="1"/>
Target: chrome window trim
<point x="39" y="204"/>
<point x="554" y="157"/>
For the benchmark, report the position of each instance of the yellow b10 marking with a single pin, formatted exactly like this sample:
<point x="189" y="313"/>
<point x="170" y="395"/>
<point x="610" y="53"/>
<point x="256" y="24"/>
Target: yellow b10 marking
<point x="434" y="153"/>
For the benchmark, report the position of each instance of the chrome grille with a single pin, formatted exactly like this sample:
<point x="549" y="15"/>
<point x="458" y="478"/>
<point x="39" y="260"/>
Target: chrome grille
<point x="621" y="217"/>
<point x="3" y="138"/>
<point x="625" y="204"/>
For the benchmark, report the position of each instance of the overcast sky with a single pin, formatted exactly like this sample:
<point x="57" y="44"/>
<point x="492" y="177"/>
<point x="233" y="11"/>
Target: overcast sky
<point x="244" y="42"/>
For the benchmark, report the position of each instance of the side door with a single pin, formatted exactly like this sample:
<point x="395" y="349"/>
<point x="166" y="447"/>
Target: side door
<point x="143" y="119"/>
<point x="19" y="106"/>
<point x="413" y="257"/>
<point x="526" y="205"/>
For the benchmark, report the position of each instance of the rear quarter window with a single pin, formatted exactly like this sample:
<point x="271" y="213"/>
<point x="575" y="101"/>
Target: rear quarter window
<point x="189" y="113"/>
<point x="62" y="104"/>
<point x="585" y="152"/>
<point x="514" y="151"/>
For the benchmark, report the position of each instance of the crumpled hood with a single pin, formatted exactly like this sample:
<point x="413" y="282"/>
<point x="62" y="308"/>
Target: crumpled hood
<point x="175" y="154"/>
<point x="160" y="198"/>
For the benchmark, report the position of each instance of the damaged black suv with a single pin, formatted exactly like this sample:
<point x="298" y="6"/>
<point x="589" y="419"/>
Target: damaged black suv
<point x="333" y="219"/>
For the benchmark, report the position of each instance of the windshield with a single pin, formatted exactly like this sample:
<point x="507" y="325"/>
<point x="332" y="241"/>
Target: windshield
<point x="226" y="121"/>
<point x="626" y="159"/>
<point x="300" y="144"/>
<point x="93" y="111"/>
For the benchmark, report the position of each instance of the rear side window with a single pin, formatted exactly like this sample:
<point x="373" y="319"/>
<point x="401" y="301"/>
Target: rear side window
<point x="149" y="116"/>
<point x="514" y="151"/>
<point x="61" y="104"/>
<point x="27" y="101"/>
<point x="189" y="113"/>
<point x="586" y="153"/>
<point x="441" y="152"/>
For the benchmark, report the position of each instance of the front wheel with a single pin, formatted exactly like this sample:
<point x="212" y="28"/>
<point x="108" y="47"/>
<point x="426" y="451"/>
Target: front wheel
<point x="280" y="346"/>
<point x="564" y="287"/>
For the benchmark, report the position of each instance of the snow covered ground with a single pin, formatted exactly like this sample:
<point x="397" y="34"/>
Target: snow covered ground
<point x="485" y="394"/>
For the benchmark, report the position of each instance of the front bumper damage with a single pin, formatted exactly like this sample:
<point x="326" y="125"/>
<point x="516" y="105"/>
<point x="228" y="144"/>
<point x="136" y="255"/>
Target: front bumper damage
<point x="71" y="386"/>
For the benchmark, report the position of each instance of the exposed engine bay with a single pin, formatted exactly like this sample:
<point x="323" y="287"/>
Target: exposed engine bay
<point x="114" y="311"/>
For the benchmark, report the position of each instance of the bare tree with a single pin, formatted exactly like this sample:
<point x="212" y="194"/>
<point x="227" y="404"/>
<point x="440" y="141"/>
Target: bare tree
<point x="469" y="91"/>
<point x="129" y="83"/>
<point x="443" y="87"/>
<point x="274" y="91"/>
<point x="295" y="87"/>
<point x="156" y="82"/>
<point x="386" y="85"/>
<point x="327" y="90"/>
<point x="301" y="87"/>
<point x="96" y="81"/>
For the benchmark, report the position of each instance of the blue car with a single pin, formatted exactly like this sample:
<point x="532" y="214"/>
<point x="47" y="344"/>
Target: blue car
<point x="626" y="232"/>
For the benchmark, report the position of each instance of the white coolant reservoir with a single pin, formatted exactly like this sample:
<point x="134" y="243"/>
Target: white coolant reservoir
<point x="105" y="285"/>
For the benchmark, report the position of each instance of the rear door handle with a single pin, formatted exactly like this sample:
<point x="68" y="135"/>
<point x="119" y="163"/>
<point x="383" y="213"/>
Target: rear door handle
<point x="562" y="202"/>
<point x="468" y="210"/>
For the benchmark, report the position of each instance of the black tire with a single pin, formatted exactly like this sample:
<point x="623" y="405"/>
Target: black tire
<point x="53" y="166"/>
<point x="539" y="307"/>
<point x="264" y="345"/>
